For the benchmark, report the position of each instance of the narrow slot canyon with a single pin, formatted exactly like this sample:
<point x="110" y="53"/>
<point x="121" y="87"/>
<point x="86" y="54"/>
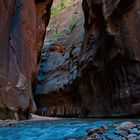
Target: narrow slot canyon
<point x="69" y="70"/>
<point x="88" y="65"/>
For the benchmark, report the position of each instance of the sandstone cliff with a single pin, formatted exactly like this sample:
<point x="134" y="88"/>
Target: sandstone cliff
<point x="97" y="73"/>
<point x="22" y="30"/>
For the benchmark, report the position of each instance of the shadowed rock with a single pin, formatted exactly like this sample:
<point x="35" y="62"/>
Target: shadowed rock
<point x="22" y="30"/>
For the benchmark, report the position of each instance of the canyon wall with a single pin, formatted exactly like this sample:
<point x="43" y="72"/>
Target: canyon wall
<point x="110" y="57"/>
<point x="22" y="30"/>
<point x="97" y="73"/>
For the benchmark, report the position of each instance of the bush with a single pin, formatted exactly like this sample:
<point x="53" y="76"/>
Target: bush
<point x="72" y="24"/>
<point x="61" y="6"/>
<point x="58" y="34"/>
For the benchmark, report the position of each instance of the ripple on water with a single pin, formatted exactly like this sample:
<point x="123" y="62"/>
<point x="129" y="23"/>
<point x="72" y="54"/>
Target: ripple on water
<point x="51" y="130"/>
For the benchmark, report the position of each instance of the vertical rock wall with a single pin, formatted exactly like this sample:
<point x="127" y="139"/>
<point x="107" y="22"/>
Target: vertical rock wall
<point x="22" y="30"/>
<point x="110" y="58"/>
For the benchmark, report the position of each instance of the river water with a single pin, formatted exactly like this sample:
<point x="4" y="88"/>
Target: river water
<point x="53" y="130"/>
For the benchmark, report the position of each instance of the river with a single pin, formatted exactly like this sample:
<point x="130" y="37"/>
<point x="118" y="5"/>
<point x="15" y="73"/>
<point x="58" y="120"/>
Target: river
<point x="54" y="130"/>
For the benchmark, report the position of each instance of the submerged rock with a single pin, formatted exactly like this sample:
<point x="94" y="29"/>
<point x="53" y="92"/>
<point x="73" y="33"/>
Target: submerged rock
<point x="127" y="131"/>
<point x="93" y="131"/>
<point x="111" y="136"/>
<point x="134" y="131"/>
<point x="132" y="136"/>
<point x="121" y="133"/>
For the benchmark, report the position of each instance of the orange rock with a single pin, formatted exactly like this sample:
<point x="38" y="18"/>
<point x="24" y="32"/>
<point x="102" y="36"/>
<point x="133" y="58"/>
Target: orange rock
<point x="57" y="48"/>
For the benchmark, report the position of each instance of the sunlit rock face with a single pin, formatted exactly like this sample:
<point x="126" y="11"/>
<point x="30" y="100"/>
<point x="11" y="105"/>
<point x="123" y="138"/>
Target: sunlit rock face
<point x="97" y="73"/>
<point x="22" y="29"/>
<point x="59" y="61"/>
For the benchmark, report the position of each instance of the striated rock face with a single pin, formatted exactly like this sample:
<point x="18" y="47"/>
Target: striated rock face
<point x="22" y="30"/>
<point x="101" y="75"/>
<point x="110" y="58"/>
<point x="59" y="63"/>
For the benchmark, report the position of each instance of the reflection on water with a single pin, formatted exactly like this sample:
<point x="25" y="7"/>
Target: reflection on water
<point x="52" y="130"/>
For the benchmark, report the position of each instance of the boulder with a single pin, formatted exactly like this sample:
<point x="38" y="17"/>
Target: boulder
<point x="93" y="131"/>
<point x="126" y="126"/>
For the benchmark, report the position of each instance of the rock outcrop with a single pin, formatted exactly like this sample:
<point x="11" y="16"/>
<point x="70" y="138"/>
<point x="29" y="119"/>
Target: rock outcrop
<point x="22" y="31"/>
<point x="97" y="73"/>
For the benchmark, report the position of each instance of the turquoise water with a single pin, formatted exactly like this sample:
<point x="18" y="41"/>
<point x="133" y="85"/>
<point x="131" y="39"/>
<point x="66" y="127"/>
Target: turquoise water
<point x="52" y="130"/>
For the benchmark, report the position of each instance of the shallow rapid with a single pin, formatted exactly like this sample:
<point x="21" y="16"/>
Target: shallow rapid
<point x="54" y="130"/>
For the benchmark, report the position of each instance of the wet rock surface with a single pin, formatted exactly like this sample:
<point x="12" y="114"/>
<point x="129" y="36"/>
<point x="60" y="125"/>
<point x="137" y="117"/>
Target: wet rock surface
<point x="94" y="70"/>
<point x="22" y="30"/>
<point x="126" y="126"/>
<point x="108" y="133"/>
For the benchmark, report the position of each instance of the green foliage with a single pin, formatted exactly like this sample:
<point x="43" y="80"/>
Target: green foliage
<point x="56" y="10"/>
<point x="72" y="24"/>
<point x="58" y="34"/>
<point x="61" y="6"/>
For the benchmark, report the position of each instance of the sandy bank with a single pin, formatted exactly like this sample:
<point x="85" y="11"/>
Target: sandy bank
<point x="34" y="118"/>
